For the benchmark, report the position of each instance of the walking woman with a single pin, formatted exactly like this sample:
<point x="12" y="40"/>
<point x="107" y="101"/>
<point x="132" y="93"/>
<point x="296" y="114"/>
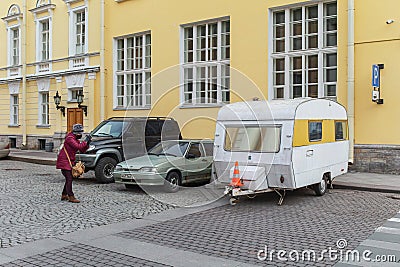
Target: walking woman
<point x="71" y="146"/>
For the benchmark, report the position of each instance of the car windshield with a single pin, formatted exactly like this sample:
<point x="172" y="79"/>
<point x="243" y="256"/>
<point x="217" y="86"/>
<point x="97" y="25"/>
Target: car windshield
<point x="170" y="148"/>
<point x="109" y="129"/>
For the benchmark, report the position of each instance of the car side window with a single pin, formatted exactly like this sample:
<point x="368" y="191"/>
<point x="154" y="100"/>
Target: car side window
<point x="209" y="149"/>
<point x="195" y="150"/>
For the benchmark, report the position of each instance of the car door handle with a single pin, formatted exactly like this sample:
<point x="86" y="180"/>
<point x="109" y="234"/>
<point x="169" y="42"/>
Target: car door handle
<point x="309" y="153"/>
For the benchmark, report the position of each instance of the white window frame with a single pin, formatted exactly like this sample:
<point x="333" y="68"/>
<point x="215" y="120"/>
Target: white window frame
<point x="139" y="77"/>
<point x="42" y="104"/>
<point x="72" y="30"/>
<point x="11" y="46"/>
<point x="14" y="116"/>
<point x="39" y="39"/>
<point x="74" y="91"/>
<point x="221" y="65"/>
<point x="321" y="51"/>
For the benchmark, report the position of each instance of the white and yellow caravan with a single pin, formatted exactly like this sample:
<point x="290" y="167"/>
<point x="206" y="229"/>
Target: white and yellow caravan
<point x="280" y="145"/>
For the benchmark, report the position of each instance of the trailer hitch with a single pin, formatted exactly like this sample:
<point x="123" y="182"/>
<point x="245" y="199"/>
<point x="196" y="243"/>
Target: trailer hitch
<point x="282" y="196"/>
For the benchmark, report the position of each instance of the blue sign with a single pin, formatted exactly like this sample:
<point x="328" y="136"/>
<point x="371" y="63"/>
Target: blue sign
<point x="376" y="79"/>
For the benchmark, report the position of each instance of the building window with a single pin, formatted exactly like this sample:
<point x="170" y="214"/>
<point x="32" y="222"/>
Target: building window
<point x="14" y="107"/>
<point x="73" y="93"/>
<point x="305" y="51"/>
<point x="14" y="46"/>
<point x="206" y="63"/>
<point x="44" y="40"/>
<point x="79" y="32"/>
<point x="133" y="71"/>
<point x="44" y="108"/>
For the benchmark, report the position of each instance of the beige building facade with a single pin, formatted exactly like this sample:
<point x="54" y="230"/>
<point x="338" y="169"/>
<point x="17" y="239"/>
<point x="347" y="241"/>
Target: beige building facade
<point x="186" y="59"/>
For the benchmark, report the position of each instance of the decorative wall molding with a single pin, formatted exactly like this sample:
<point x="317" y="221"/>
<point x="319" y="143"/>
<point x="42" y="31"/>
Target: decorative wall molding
<point x="75" y="80"/>
<point x="13" y="88"/>
<point x="43" y="85"/>
<point x="14" y="13"/>
<point x="92" y="76"/>
<point x="42" y="9"/>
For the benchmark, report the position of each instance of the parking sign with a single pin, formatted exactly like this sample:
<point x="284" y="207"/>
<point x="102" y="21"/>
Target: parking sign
<point x="375" y="75"/>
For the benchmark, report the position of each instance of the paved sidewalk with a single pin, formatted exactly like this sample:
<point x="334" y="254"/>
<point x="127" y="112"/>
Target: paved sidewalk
<point x="368" y="182"/>
<point x="33" y="156"/>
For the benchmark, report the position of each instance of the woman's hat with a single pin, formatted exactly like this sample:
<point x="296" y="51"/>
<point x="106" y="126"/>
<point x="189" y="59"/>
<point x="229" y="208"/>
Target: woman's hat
<point x="77" y="128"/>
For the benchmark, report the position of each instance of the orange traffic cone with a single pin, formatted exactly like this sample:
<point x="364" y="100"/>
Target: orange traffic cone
<point x="236" y="181"/>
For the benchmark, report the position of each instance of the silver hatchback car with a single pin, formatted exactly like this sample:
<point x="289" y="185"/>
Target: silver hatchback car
<point x="170" y="163"/>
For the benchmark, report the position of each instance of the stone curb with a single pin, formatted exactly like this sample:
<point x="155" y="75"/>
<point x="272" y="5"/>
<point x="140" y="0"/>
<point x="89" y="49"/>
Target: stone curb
<point x="41" y="161"/>
<point x="365" y="187"/>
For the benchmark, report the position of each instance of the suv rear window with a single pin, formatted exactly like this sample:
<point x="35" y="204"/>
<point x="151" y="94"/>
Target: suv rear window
<point x="153" y="128"/>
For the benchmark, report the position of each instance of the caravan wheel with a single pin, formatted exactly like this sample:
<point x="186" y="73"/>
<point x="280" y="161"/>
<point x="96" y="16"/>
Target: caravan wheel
<point x="320" y="189"/>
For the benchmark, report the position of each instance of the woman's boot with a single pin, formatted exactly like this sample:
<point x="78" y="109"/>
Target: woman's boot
<point x="73" y="199"/>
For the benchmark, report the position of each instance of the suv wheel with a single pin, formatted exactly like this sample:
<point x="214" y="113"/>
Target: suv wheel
<point x="104" y="170"/>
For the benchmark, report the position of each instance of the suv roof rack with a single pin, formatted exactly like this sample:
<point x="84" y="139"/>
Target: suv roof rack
<point x="140" y="117"/>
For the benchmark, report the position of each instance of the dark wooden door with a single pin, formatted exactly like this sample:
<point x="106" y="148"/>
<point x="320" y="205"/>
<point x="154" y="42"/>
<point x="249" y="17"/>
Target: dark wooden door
<point x="74" y="116"/>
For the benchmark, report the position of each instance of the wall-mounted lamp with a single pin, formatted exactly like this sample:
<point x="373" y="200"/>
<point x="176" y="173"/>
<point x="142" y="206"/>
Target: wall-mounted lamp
<point x="389" y="21"/>
<point x="79" y="99"/>
<point x="57" y="101"/>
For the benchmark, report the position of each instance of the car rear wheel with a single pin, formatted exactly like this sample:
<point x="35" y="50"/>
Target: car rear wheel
<point x="172" y="182"/>
<point x="104" y="170"/>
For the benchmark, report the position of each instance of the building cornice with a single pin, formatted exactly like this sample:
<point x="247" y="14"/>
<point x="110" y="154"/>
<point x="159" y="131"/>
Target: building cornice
<point x="12" y="18"/>
<point x="43" y="9"/>
<point x="55" y="74"/>
<point x="68" y="2"/>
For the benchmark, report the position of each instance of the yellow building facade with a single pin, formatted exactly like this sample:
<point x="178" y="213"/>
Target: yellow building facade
<point x="185" y="59"/>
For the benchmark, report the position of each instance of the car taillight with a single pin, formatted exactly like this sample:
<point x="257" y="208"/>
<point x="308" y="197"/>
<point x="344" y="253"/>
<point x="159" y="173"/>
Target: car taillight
<point x="7" y="146"/>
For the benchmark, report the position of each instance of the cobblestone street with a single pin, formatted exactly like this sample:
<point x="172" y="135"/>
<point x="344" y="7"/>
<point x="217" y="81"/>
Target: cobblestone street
<point x="216" y="235"/>
<point x="30" y="206"/>
<point x="304" y="222"/>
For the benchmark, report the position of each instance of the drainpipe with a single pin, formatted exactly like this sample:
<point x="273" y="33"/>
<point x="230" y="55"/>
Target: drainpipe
<point x="350" y="77"/>
<point x="102" y="62"/>
<point x="23" y="59"/>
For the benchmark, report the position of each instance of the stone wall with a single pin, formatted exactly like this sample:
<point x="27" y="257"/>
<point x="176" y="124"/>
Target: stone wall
<point x="377" y="159"/>
<point x="32" y="141"/>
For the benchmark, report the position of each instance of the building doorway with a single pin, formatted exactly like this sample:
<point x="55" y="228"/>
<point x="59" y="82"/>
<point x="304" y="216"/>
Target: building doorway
<point x="74" y="116"/>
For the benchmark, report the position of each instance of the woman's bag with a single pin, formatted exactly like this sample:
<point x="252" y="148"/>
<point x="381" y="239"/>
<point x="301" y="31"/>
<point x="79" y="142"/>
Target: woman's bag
<point x="78" y="169"/>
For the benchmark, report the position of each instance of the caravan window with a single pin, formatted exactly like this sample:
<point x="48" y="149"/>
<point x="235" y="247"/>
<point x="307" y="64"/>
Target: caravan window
<point x="315" y="131"/>
<point x="340" y="130"/>
<point x="253" y="138"/>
